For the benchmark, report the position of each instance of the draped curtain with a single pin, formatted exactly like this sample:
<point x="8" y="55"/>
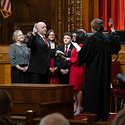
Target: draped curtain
<point x="114" y="9"/>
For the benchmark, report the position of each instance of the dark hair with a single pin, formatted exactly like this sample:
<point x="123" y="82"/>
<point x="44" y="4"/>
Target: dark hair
<point x="56" y="38"/>
<point x="80" y="36"/>
<point x="5" y="101"/>
<point x="97" y="25"/>
<point x="28" y="36"/>
<point x="67" y="33"/>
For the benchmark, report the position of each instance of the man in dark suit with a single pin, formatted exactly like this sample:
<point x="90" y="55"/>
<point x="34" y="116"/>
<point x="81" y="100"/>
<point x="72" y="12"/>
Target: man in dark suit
<point x="63" y="66"/>
<point x="40" y="54"/>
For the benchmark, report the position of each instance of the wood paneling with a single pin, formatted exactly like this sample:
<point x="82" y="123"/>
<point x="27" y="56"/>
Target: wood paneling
<point x="60" y="15"/>
<point x="42" y="98"/>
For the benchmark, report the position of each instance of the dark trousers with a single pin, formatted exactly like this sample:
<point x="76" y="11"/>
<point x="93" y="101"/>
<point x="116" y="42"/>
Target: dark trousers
<point x="64" y="79"/>
<point x="103" y="116"/>
<point x="38" y="78"/>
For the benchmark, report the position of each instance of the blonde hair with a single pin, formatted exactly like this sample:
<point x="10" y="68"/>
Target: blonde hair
<point x="15" y="35"/>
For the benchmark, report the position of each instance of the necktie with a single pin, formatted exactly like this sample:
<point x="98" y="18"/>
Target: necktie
<point x="46" y="42"/>
<point x="66" y="51"/>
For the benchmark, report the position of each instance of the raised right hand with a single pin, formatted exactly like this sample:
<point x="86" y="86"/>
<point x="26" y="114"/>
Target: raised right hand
<point x="35" y="29"/>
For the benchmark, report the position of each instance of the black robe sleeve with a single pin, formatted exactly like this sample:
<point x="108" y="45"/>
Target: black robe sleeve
<point x="115" y="43"/>
<point x="86" y="52"/>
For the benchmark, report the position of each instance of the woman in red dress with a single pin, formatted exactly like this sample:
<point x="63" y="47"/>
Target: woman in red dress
<point x="53" y="65"/>
<point x="76" y="73"/>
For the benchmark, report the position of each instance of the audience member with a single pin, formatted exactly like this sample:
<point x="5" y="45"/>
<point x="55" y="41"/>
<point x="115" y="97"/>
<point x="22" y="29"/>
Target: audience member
<point x="54" y="119"/>
<point x="119" y="118"/>
<point x="76" y="73"/>
<point x="53" y="74"/>
<point x="5" y="106"/>
<point x="19" y="56"/>
<point x="40" y="54"/>
<point x="62" y="64"/>
<point x="2" y="121"/>
<point x="96" y="53"/>
<point x="121" y="79"/>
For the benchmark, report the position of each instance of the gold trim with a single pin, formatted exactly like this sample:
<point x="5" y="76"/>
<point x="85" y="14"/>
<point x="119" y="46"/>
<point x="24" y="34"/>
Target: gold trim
<point x="59" y="20"/>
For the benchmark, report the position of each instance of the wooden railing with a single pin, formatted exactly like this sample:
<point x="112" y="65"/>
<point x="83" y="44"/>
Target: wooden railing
<point x="32" y="119"/>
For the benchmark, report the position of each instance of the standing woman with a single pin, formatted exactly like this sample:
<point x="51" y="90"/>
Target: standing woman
<point x="76" y="73"/>
<point x="53" y="59"/>
<point x="19" y="58"/>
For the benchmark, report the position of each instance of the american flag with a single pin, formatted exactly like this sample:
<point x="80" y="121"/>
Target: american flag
<point x="6" y="8"/>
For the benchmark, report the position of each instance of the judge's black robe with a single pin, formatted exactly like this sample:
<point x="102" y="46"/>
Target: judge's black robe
<point x="96" y="53"/>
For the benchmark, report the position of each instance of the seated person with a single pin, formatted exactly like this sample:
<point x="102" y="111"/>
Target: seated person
<point x="54" y="119"/>
<point x="121" y="79"/>
<point x="5" y="106"/>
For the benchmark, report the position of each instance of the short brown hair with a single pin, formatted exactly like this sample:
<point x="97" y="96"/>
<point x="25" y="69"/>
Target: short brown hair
<point x="5" y="102"/>
<point x="97" y="25"/>
<point x="68" y="34"/>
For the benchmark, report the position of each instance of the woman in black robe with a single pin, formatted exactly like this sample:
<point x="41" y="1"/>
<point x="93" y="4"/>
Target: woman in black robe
<point x="96" y="53"/>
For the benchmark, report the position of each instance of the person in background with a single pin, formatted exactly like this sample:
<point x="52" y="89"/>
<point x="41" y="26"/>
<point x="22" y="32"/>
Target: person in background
<point x="76" y="73"/>
<point x="54" y="119"/>
<point x="121" y="79"/>
<point x="96" y="53"/>
<point x="119" y="118"/>
<point x="62" y="64"/>
<point x="28" y="36"/>
<point x="19" y="56"/>
<point x="2" y="121"/>
<point x="74" y="37"/>
<point x="53" y="59"/>
<point x="5" y="106"/>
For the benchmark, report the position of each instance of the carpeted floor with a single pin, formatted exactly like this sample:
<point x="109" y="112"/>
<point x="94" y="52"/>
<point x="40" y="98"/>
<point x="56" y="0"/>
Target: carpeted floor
<point x="84" y="116"/>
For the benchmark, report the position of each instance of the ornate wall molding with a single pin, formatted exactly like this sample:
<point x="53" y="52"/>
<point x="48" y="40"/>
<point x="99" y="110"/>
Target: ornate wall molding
<point x="79" y="15"/>
<point x="59" y="20"/>
<point x="71" y="15"/>
<point x="75" y="15"/>
<point x="24" y="26"/>
<point x="4" y="57"/>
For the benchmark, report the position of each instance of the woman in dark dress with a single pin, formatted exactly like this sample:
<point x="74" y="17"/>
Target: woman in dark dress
<point x="53" y="59"/>
<point x="96" y="53"/>
<point x="19" y="56"/>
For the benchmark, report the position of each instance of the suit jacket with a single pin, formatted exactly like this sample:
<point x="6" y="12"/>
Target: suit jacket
<point x="40" y="56"/>
<point x="60" y="62"/>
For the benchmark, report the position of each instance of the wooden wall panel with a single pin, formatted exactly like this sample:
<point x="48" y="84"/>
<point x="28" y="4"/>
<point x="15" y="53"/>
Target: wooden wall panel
<point x="60" y="15"/>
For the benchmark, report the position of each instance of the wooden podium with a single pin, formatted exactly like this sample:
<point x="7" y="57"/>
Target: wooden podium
<point x="42" y="98"/>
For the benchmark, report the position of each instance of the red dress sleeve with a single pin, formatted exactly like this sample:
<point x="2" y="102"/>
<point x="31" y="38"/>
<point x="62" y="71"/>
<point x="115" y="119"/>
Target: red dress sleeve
<point x="74" y="57"/>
